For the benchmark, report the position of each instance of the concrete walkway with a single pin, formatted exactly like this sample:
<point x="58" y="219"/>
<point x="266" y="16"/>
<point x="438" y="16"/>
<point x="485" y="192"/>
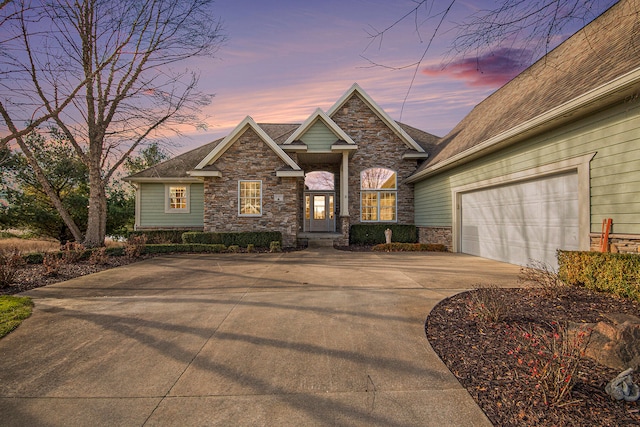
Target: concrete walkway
<point x="316" y="337"/>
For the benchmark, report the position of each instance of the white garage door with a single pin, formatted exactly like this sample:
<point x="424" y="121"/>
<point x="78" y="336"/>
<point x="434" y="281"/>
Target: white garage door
<point x="521" y="222"/>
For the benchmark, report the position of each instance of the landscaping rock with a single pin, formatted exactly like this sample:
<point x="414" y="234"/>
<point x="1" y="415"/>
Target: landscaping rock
<point x="615" y="342"/>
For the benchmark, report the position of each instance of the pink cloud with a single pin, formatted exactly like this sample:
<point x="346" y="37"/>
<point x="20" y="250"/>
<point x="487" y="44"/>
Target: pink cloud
<point x="492" y="69"/>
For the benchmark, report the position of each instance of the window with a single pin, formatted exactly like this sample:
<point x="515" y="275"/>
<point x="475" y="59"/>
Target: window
<point x="378" y="195"/>
<point x="319" y="181"/>
<point x="250" y="198"/>
<point x="176" y="199"/>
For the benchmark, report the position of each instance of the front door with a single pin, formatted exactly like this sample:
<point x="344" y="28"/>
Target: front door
<point x="319" y="212"/>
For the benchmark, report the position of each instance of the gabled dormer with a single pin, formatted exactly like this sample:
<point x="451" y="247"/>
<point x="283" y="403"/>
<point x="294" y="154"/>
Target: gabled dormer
<point x="319" y="134"/>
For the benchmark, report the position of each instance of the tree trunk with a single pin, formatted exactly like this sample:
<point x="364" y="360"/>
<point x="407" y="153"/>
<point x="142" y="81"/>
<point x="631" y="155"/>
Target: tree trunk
<point x="97" y="215"/>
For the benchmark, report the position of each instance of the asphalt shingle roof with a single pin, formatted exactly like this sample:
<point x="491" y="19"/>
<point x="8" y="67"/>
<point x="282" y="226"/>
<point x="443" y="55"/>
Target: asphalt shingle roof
<point x="603" y="50"/>
<point x="178" y="166"/>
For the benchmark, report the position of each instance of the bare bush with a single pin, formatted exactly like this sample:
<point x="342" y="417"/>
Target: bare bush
<point x="52" y="263"/>
<point x="544" y="276"/>
<point x="72" y="252"/>
<point x="135" y="246"/>
<point x="487" y="304"/>
<point x="10" y="262"/>
<point x="99" y="257"/>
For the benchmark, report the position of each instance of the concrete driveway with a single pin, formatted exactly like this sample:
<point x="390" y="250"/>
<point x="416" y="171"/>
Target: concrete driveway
<point x="316" y="337"/>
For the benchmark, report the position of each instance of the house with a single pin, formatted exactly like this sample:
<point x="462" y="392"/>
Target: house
<point x="533" y="168"/>
<point x="541" y="162"/>
<point x="341" y="167"/>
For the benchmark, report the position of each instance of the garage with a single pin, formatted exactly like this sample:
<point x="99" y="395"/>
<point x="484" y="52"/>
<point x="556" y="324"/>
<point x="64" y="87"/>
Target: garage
<point x="524" y="221"/>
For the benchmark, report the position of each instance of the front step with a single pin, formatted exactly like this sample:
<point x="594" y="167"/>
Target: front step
<point x="320" y="243"/>
<point x="318" y="240"/>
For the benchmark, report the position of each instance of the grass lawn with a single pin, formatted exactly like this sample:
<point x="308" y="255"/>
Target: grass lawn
<point x="13" y="310"/>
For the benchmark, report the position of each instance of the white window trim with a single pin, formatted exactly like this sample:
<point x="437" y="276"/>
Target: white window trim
<point x="395" y="191"/>
<point x="378" y="191"/>
<point x="167" y="199"/>
<point x="239" y="206"/>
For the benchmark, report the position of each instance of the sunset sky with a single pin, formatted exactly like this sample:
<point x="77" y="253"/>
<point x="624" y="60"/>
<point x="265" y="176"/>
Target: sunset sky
<point x="283" y="59"/>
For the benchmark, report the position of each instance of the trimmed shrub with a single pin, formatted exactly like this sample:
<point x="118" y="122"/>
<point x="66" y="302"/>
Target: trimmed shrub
<point x="183" y="247"/>
<point x="160" y="236"/>
<point x="372" y="234"/>
<point x="115" y="251"/>
<point x="618" y="274"/>
<point x="233" y="249"/>
<point x="410" y="247"/>
<point x="260" y="239"/>
<point x="33" y="258"/>
<point x="251" y="248"/>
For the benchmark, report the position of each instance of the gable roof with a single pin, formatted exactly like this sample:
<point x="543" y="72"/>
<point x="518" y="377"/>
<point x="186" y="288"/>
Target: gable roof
<point x="319" y="115"/>
<point x="247" y="123"/>
<point x="595" y="67"/>
<point x="177" y="167"/>
<point x="355" y="89"/>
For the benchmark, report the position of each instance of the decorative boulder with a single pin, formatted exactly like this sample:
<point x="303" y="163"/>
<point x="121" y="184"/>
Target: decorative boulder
<point x="614" y="342"/>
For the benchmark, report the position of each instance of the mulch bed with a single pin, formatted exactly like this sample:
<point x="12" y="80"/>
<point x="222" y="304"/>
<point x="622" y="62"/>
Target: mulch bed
<point x="481" y="355"/>
<point x="33" y="275"/>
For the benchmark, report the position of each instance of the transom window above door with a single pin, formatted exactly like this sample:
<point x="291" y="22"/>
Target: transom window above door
<point x="378" y="201"/>
<point x="319" y="181"/>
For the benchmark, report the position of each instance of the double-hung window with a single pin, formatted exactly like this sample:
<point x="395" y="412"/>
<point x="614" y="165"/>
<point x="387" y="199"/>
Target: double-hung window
<point x="250" y="198"/>
<point x="176" y="198"/>
<point x="378" y="195"/>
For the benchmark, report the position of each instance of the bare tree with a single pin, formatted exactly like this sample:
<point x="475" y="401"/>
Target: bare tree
<point x="533" y="26"/>
<point x="114" y="65"/>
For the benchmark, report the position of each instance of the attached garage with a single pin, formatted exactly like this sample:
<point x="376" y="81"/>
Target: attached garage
<point x="523" y="221"/>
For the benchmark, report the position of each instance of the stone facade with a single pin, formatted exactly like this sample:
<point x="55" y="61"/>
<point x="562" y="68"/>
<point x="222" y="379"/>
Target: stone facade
<point x="249" y="158"/>
<point x="439" y="235"/>
<point x="378" y="146"/>
<point x="622" y="243"/>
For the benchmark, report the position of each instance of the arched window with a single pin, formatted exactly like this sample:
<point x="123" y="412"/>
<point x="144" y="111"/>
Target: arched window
<point x="319" y="181"/>
<point x="378" y="195"/>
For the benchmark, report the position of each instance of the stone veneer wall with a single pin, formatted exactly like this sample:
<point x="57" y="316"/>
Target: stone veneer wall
<point x="249" y="158"/>
<point x="378" y="146"/>
<point x="439" y="235"/>
<point x="623" y="243"/>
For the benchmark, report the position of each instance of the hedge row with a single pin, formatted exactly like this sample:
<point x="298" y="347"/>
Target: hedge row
<point x="372" y="234"/>
<point x="161" y="236"/>
<point x="410" y="247"/>
<point x="260" y="239"/>
<point x="618" y="274"/>
<point x="163" y="248"/>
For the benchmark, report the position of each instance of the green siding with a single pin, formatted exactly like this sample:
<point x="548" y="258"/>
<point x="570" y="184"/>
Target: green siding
<point x="613" y="134"/>
<point x="319" y="137"/>
<point x="152" y="204"/>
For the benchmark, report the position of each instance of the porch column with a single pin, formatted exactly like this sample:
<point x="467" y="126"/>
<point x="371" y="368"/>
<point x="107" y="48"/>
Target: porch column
<point x="344" y="185"/>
